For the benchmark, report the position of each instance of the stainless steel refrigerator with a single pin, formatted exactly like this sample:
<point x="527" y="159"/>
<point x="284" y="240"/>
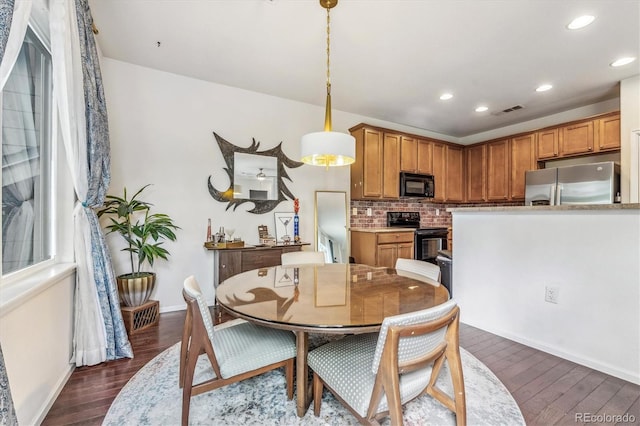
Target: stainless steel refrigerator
<point x="596" y="183"/>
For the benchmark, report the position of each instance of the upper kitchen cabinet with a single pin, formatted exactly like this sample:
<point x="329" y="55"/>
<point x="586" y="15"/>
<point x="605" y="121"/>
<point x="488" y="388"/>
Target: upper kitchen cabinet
<point x="376" y="172"/>
<point x="391" y="166"/>
<point x="548" y="144"/>
<point x="498" y="170"/>
<point x="408" y="154"/>
<point x="416" y="155"/>
<point x="454" y="191"/>
<point x="608" y="133"/>
<point x="366" y="172"/>
<point x="439" y="170"/>
<point x="577" y="138"/>
<point x="523" y="158"/>
<point x="476" y="173"/>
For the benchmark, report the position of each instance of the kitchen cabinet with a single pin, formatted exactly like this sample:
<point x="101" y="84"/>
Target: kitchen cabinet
<point x="454" y="190"/>
<point x="476" y="173"/>
<point x="381" y="248"/>
<point x="547" y="144"/>
<point x="439" y="168"/>
<point x="577" y="138"/>
<point x="376" y="171"/>
<point x="408" y="154"/>
<point x="366" y="172"/>
<point x="416" y="155"/>
<point x="498" y="167"/>
<point x="608" y="133"/>
<point x="391" y="166"/>
<point x="230" y="262"/>
<point x="523" y="158"/>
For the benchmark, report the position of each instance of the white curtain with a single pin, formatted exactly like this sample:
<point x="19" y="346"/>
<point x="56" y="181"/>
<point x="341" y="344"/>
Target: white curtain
<point x="14" y="17"/>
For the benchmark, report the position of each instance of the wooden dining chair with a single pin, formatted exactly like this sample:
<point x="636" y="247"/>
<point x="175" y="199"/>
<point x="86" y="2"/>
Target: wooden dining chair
<point x="302" y="258"/>
<point x="235" y="353"/>
<point x="373" y="375"/>
<point x="418" y="268"/>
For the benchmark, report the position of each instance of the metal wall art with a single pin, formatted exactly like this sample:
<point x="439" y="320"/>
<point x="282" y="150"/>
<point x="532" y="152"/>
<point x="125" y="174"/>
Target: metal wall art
<point x="257" y="181"/>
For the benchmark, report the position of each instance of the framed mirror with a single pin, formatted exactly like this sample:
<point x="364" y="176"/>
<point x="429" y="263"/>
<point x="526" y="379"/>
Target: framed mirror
<point x="332" y="232"/>
<point x="255" y="177"/>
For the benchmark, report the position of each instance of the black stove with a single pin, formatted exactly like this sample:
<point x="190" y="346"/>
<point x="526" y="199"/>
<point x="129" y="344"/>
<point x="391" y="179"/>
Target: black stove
<point x="427" y="241"/>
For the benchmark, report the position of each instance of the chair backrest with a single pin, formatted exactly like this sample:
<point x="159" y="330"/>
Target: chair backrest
<point x="419" y="268"/>
<point x="418" y="344"/>
<point x="302" y="258"/>
<point x="192" y="290"/>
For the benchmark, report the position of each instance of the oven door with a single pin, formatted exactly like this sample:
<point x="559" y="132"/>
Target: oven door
<point x="426" y="246"/>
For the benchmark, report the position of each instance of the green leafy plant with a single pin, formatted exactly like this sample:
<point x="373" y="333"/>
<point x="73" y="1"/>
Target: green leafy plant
<point x="145" y="236"/>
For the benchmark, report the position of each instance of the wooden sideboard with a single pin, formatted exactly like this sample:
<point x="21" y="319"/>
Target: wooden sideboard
<point x="228" y="262"/>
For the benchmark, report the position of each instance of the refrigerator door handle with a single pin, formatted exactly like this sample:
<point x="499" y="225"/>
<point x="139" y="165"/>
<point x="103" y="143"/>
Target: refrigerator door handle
<point x="552" y="195"/>
<point x="558" y="195"/>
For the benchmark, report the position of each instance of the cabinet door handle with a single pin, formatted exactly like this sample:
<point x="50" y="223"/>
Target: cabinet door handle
<point x="224" y="266"/>
<point x="590" y="148"/>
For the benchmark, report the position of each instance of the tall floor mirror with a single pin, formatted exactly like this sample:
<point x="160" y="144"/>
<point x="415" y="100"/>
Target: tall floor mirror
<point x="332" y="233"/>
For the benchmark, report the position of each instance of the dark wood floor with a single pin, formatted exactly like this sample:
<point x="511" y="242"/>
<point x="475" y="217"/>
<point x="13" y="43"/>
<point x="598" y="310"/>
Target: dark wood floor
<point x="548" y="389"/>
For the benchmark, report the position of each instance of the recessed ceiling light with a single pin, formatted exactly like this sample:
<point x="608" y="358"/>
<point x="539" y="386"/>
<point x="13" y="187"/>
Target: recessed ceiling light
<point x="482" y="108"/>
<point x="622" y="61"/>
<point x="446" y="96"/>
<point x="581" y="22"/>
<point x="544" y="88"/>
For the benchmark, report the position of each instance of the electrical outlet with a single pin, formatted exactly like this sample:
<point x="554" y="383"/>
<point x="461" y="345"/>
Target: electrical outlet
<point x="437" y="212"/>
<point x="369" y="211"/>
<point x="551" y="294"/>
<point x="354" y="211"/>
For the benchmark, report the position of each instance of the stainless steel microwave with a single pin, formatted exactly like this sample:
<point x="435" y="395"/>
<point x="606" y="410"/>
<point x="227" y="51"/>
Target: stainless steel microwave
<point x="417" y="185"/>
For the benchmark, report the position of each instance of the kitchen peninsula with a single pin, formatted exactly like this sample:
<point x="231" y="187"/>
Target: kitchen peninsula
<point x="509" y="259"/>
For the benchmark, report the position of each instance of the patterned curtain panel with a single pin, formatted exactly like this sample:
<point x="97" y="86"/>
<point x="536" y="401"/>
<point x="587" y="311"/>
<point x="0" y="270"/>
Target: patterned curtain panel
<point x="99" y="333"/>
<point x="98" y="179"/>
<point x="7" y="410"/>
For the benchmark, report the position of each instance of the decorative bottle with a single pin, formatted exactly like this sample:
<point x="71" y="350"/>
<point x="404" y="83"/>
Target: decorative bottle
<point x="296" y="221"/>
<point x="208" y="230"/>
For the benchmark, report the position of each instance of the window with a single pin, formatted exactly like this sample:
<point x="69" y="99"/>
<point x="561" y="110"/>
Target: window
<point x="27" y="183"/>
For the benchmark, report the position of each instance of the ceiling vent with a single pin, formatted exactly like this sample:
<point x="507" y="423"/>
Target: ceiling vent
<point x="511" y="109"/>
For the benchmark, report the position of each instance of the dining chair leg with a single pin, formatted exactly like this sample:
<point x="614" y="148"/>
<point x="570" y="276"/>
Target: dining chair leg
<point x="317" y="394"/>
<point x="289" y="373"/>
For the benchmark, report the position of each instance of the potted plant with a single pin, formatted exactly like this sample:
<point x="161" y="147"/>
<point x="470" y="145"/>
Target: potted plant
<point x="144" y="234"/>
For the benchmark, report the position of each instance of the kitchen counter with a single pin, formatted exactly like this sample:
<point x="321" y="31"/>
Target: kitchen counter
<point x="565" y="207"/>
<point x="387" y="229"/>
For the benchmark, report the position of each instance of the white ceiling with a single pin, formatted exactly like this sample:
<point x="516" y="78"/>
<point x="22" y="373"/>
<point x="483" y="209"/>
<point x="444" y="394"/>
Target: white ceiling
<point x="390" y="59"/>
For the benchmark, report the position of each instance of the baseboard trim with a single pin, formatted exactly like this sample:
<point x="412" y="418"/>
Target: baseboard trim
<point x="612" y="370"/>
<point x="51" y="399"/>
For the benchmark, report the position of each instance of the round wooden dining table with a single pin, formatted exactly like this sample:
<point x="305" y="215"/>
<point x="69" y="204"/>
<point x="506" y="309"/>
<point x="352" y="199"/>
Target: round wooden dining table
<point x="334" y="298"/>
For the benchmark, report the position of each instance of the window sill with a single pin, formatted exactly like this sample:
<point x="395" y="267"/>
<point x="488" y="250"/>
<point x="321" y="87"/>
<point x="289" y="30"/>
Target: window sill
<point x="15" y="294"/>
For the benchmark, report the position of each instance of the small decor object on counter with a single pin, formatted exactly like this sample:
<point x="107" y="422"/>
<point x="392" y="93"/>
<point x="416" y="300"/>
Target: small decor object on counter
<point x="208" y="231"/>
<point x="282" y="221"/>
<point x="296" y="221"/>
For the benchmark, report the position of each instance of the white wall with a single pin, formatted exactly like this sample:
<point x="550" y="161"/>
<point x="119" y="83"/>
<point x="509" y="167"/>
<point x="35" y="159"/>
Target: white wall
<point x="161" y="128"/>
<point x="629" y="121"/>
<point x="504" y="260"/>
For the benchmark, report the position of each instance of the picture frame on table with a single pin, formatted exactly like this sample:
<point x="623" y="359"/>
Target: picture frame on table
<point x="284" y="226"/>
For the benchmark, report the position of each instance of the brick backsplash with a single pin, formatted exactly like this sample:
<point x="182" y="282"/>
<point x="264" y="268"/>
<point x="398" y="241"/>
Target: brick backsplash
<point x="428" y="216"/>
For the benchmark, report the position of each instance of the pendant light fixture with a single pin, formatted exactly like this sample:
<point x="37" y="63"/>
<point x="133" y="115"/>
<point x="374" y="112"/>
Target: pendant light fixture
<point x="328" y="148"/>
<point x="261" y="175"/>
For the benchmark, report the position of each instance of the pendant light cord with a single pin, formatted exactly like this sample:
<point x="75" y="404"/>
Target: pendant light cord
<point x="327" y="113"/>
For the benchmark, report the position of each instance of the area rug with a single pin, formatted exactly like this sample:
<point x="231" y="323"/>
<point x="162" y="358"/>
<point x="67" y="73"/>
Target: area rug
<point x="152" y="397"/>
